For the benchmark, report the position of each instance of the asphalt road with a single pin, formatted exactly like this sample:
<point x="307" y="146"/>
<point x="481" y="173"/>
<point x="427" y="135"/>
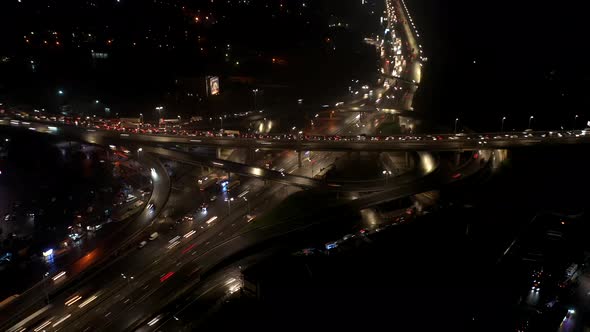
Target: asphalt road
<point x="35" y="297"/>
<point x="342" y="143"/>
<point x="118" y="302"/>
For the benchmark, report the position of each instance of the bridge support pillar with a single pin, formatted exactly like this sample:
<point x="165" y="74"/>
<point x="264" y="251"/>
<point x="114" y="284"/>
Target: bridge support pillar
<point x="299" y="162"/>
<point x="408" y="160"/>
<point x="250" y="156"/>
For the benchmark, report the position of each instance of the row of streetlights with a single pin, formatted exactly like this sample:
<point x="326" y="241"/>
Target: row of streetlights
<point x="160" y="109"/>
<point x="531" y="118"/>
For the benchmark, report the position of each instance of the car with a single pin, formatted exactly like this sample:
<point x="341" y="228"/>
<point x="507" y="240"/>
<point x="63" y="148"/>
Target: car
<point x="151" y="207"/>
<point x="331" y="245"/>
<point x="142" y="244"/>
<point x="212" y="198"/>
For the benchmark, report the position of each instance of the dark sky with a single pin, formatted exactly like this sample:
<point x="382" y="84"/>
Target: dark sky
<point x="530" y="56"/>
<point x="530" y="60"/>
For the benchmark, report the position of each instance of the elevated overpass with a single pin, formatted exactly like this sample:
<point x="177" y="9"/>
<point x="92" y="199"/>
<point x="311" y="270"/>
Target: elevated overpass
<point x="423" y="142"/>
<point x="106" y="138"/>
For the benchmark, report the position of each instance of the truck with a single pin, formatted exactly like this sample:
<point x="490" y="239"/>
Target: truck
<point x="231" y="133"/>
<point x="154" y="236"/>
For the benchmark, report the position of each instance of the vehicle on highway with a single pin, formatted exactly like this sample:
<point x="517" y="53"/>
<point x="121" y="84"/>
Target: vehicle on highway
<point x="331" y="245"/>
<point x="586" y="131"/>
<point x="142" y="244"/>
<point x="151" y="207"/>
<point x="213" y="198"/>
<point x="154" y="236"/>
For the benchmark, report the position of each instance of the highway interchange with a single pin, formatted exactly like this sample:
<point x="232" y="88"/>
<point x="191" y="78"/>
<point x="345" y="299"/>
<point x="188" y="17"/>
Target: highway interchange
<point x="125" y="287"/>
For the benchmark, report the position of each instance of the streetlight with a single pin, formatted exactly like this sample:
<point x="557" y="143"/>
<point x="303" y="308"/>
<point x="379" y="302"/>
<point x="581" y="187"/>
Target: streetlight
<point x="140" y="118"/>
<point x="159" y="109"/>
<point x="503" y="119"/>
<point x="456" y="121"/>
<point x="229" y="204"/>
<point x="60" y="92"/>
<point x="125" y="277"/>
<point x="255" y="91"/>
<point x="530" y="121"/>
<point x="221" y="118"/>
<point x="575" y="120"/>
<point x="45" y="288"/>
<point x="247" y="204"/>
<point x="387" y="174"/>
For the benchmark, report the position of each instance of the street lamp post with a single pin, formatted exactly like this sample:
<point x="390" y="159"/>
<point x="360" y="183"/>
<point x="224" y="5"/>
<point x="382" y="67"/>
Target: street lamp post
<point x="221" y="120"/>
<point x="575" y="120"/>
<point x="503" y="119"/>
<point x="247" y="204"/>
<point x="255" y="91"/>
<point x="46" y="286"/>
<point x="229" y="204"/>
<point x="456" y="121"/>
<point x="160" y="109"/>
<point x="387" y="174"/>
<point x="127" y="278"/>
<point x="531" y="121"/>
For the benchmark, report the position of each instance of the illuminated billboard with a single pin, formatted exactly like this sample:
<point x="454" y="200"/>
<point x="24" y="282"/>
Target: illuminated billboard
<point x="212" y="85"/>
